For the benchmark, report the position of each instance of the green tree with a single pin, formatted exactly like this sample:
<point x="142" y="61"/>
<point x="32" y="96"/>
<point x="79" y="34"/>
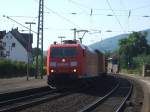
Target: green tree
<point x="36" y="51"/>
<point x="133" y="46"/>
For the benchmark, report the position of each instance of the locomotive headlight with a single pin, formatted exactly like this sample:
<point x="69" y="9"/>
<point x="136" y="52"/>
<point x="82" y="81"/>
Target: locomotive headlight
<point x="52" y="64"/>
<point x="52" y="71"/>
<point x="73" y="63"/>
<point x="74" y="70"/>
<point x="63" y="60"/>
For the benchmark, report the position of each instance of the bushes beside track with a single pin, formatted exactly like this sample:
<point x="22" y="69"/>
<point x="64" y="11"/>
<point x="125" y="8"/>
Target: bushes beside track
<point x="14" y="69"/>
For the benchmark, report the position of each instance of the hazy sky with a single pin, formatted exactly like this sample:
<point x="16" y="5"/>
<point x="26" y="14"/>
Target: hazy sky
<point x="99" y="17"/>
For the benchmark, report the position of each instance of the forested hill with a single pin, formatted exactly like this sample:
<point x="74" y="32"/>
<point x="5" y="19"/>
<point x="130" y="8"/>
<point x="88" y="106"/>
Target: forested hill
<point x="111" y="43"/>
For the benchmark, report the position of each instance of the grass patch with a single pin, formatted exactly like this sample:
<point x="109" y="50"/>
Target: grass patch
<point x="137" y="71"/>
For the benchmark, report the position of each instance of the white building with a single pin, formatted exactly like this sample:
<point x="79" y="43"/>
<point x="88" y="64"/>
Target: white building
<point x="17" y="46"/>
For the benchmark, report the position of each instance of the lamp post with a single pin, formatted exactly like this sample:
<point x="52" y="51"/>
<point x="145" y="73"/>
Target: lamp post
<point x="28" y="48"/>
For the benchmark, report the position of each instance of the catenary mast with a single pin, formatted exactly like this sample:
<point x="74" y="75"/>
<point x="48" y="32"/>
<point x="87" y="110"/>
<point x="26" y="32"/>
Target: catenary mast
<point x="39" y="61"/>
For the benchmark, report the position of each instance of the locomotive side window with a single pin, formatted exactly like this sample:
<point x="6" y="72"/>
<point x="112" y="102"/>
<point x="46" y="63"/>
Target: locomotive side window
<point x="83" y="52"/>
<point x="63" y="52"/>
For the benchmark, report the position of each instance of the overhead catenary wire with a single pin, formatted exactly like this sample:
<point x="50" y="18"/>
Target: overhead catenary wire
<point x="59" y="15"/>
<point x="84" y="6"/>
<point x="23" y="16"/>
<point x="128" y="14"/>
<point x="87" y="7"/>
<point x="80" y="6"/>
<point x="19" y="23"/>
<point x="115" y="16"/>
<point x="64" y="18"/>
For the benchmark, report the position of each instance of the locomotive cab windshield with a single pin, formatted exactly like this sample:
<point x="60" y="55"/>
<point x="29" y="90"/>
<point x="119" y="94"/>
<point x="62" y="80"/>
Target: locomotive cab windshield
<point x="63" y="52"/>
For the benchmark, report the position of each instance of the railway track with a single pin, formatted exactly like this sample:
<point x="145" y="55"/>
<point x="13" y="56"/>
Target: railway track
<point x="96" y="87"/>
<point x="27" y="98"/>
<point x="114" y="101"/>
<point x="12" y="102"/>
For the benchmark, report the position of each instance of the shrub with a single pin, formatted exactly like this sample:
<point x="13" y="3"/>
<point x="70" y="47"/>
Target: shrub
<point x="14" y="69"/>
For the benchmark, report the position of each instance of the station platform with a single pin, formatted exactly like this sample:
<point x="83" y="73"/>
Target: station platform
<point x="21" y="83"/>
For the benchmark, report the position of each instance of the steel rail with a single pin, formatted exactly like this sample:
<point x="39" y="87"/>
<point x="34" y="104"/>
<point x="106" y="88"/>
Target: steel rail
<point x="32" y="102"/>
<point x="93" y="105"/>
<point x="125" y="99"/>
<point x="23" y="98"/>
<point x="13" y="94"/>
<point x="28" y="101"/>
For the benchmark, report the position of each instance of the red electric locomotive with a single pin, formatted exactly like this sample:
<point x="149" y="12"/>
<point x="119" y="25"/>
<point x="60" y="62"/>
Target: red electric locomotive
<point x="72" y="60"/>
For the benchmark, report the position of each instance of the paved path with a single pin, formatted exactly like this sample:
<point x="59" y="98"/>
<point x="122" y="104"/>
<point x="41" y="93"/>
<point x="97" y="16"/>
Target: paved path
<point x="20" y="83"/>
<point x="145" y="82"/>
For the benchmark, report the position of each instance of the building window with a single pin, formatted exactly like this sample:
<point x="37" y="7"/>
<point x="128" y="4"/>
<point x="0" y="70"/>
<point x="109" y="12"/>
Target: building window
<point x="6" y="36"/>
<point x="7" y="53"/>
<point x="13" y="44"/>
<point x="4" y="44"/>
<point x="1" y="54"/>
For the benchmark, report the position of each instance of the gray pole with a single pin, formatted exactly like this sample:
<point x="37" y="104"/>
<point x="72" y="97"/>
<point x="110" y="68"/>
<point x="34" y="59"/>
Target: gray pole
<point x="28" y="48"/>
<point x="75" y="31"/>
<point x="39" y="66"/>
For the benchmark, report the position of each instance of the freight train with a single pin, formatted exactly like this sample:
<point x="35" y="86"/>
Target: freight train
<point x="73" y="61"/>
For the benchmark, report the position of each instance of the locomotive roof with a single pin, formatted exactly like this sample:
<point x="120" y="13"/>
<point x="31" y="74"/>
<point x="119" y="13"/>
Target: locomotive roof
<point x="68" y="45"/>
<point x="76" y="45"/>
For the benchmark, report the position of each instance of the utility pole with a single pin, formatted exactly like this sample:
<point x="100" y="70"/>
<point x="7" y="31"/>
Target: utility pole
<point x="61" y="37"/>
<point x="39" y="66"/>
<point x="28" y="48"/>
